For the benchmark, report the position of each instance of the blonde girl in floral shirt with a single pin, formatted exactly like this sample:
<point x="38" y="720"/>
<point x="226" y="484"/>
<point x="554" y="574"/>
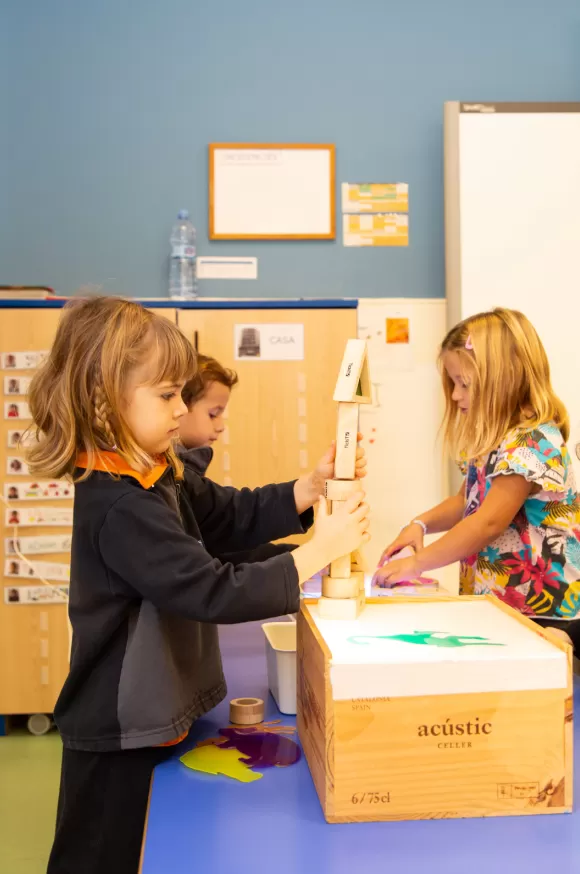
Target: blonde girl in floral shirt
<point x="515" y="523"/>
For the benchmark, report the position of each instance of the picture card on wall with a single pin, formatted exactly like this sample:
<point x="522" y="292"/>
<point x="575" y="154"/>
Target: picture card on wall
<point x="56" y="490"/>
<point x="48" y="570"/>
<point x="17" y="466"/>
<point x="16" y="385"/>
<point x="16" y="410"/>
<point x="15" y="595"/>
<point x="22" y="360"/>
<point x="38" y="545"/>
<point x="31" y="517"/>
<point x="20" y="439"/>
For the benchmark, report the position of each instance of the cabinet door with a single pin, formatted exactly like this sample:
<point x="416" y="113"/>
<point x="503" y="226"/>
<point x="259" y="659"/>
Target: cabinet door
<point x="33" y="638"/>
<point x="281" y="417"/>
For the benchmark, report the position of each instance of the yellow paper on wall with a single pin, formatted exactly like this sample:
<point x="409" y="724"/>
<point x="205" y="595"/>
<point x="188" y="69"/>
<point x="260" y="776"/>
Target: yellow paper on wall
<point x="381" y="229"/>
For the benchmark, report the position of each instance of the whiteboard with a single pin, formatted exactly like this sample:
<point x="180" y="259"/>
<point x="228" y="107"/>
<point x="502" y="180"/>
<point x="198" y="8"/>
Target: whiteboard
<point x="512" y="191"/>
<point x="271" y="192"/>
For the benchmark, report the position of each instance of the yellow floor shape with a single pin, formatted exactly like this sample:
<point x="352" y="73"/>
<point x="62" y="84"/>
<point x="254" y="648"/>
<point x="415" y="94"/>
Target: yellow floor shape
<point x="212" y="759"/>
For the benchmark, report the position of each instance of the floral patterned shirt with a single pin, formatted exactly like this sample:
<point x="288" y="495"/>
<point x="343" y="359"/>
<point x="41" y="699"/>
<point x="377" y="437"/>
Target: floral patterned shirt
<point x="534" y="565"/>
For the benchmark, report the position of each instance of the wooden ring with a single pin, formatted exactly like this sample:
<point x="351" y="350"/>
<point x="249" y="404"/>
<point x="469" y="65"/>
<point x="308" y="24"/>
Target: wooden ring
<point x="342" y="587"/>
<point x="246" y="711"/>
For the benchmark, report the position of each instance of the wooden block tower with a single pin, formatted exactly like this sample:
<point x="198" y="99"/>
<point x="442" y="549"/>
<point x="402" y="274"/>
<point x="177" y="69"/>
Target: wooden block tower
<point x="343" y="594"/>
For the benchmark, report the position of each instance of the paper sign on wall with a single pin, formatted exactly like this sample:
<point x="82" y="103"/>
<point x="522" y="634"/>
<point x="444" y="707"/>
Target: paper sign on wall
<point x="397" y="330"/>
<point x="16" y="466"/>
<point x="57" y="490"/>
<point x="38" y="545"/>
<point x="14" y="595"/>
<point x="38" y="516"/>
<point x="375" y="197"/>
<point x="223" y="267"/>
<point x="48" y="570"/>
<point x="16" y="410"/>
<point x="276" y="342"/>
<point x="379" y="229"/>
<point x="16" y="385"/>
<point x="22" y="360"/>
<point x="20" y="439"/>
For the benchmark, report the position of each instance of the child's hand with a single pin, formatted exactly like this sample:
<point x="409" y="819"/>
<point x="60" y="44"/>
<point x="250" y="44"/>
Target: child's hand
<point x="401" y="571"/>
<point x="412" y="535"/>
<point x="325" y="468"/>
<point x="344" y="530"/>
<point x="310" y="487"/>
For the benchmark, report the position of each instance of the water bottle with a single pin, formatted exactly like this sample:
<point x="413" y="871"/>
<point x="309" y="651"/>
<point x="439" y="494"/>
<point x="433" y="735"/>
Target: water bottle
<point x="182" y="278"/>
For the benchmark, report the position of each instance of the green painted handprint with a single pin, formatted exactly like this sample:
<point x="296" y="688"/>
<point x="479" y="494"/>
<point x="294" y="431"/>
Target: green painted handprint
<point x="427" y="638"/>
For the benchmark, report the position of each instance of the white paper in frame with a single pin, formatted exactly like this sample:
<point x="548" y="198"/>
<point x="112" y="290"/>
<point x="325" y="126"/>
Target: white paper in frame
<point x="272" y="191"/>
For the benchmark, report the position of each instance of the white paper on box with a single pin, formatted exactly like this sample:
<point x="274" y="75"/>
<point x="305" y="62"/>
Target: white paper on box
<point x="374" y="656"/>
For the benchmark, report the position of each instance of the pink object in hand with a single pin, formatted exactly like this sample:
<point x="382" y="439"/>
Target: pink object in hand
<point x="406" y="552"/>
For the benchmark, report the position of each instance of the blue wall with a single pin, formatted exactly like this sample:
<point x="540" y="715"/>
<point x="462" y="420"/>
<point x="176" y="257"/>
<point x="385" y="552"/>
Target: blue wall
<point x="107" y="109"/>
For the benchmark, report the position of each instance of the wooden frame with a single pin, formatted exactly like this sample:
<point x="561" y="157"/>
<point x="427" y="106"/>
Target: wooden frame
<point x="218" y="229"/>
<point x="344" y="743"/>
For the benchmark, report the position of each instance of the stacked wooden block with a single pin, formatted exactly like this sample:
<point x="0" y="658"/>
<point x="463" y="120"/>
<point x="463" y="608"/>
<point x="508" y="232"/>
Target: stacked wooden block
<point x="343" y="594"/>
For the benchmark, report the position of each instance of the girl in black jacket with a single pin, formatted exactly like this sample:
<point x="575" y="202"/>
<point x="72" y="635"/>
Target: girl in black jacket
<point x="146" y="590"/>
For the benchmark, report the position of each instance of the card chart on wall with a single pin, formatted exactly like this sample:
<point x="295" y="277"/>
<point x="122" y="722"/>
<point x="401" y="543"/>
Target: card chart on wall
<point x="261" y="191"/>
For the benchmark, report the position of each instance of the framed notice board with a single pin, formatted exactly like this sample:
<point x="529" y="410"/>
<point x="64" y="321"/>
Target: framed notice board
<point x="271" y="191"/>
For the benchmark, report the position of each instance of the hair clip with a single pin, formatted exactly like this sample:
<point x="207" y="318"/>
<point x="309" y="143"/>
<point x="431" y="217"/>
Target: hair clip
<point x="469" y="344"/>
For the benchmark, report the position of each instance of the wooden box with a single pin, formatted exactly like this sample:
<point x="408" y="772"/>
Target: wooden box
<point x="435" y="708"/>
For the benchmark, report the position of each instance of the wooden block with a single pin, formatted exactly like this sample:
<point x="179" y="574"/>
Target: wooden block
<point x="341" y="489"/>
<point x="346" y="434"/>
<point x="347" y="587"/>
<point x="358" y="562"/>
<point x="340" y="567"/>
<point x="469" y="735"/>
<point x="341" y="608"/>
<point x="354" y="381"/>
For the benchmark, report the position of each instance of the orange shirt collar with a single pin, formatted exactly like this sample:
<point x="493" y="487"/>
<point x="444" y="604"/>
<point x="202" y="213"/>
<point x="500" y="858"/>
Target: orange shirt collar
<point x="112" y="462"/>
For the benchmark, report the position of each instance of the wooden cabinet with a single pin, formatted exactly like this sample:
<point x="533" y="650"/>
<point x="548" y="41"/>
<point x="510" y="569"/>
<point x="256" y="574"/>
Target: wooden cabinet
<point x="33" y="637"/>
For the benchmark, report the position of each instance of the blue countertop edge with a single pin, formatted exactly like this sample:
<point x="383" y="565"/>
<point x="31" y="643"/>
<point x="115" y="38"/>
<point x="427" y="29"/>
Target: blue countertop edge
<point x="290" y="304"/>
